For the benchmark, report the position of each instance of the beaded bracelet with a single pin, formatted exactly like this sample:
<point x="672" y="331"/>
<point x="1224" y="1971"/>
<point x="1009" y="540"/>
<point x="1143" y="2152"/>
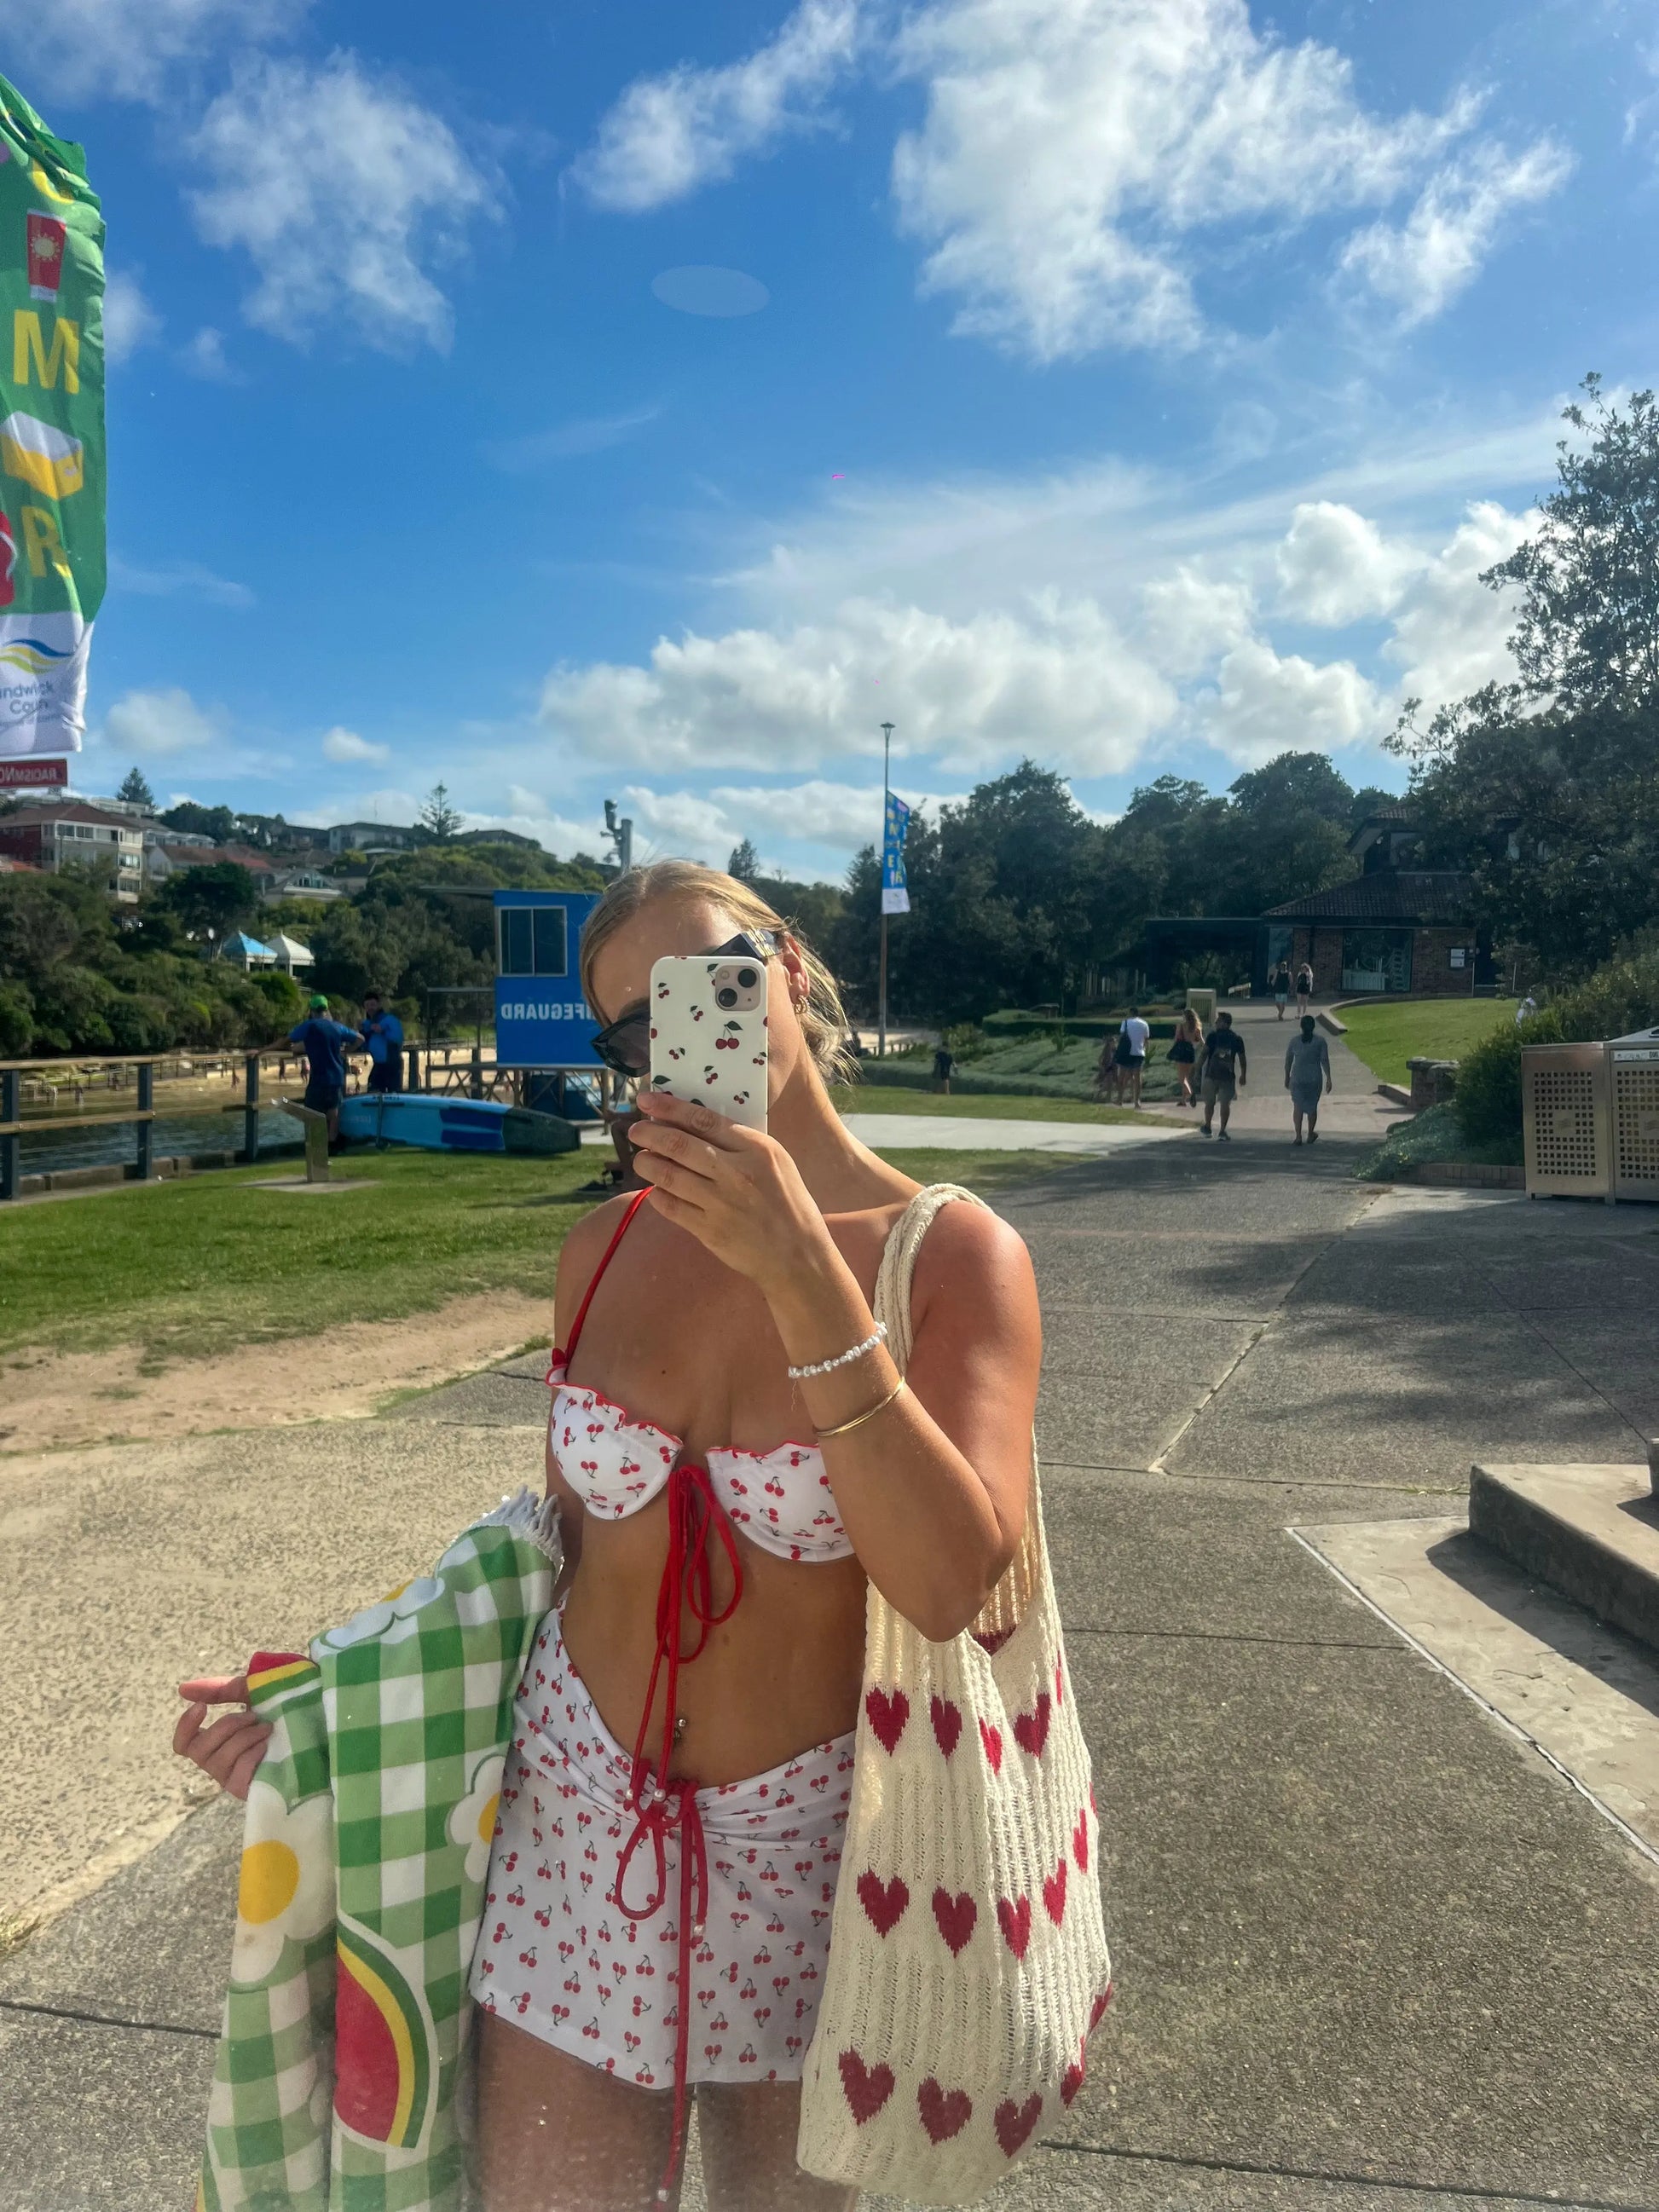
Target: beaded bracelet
<point x="841" y="1358"/>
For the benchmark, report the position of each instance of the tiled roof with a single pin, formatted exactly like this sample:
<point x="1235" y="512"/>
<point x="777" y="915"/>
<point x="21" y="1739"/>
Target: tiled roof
<point x="1420" y="895"/>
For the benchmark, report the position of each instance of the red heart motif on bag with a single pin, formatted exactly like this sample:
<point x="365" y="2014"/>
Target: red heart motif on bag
<point x="945" y="2113"/>
<point x="884" y="1902"/>
<point x="992" y="1739"/>
<point x="1015" y="1922"/>
<point x="956" y="1917"/>
<point x="1080" y="1844"/>
<point x="1031" y="1729"/>
<point x="947" y="1723"/>
<point x="887" y="1717"/>
<point x="1015" y="2122"/>
<point x="1071" y="2081"/>
<point x="993" y="1640"/>
<point x="1060" y="1682"/>
<point x="1053" y="1892"/>
<point x="866" y="2088"/>
<point x="1097" y="2009"/>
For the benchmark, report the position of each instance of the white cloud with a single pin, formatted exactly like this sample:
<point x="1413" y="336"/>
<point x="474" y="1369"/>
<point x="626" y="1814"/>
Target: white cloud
<point x="1335" y="566"/>
<point x="341" y="745"/>
<point x="1074" y="151"/>
<point x="1451" y="635"/>
<point x="130" y="321"/>
<point x="1188" y="617"/>
<point x="340" y="186"/>
<point x="1263" y="703"/>
<point x="1421" y="266"/>
<point x="707" y="825"/>
<point x="159" y="722"/>
<point x="669" y="134"/>
<point x="178" y="579"/>
<point x="138" y="49"/>
<point x="203" y="355"/>
<point x="1056" y="672"/>
<point x="590" y="434"/>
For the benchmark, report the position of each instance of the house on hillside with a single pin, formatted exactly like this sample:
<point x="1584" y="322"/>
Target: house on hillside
<point x="369" y="837"/>
<point x="302" y="883"/>
<point x="68" y="833"/>
<point x="171" y="859"/>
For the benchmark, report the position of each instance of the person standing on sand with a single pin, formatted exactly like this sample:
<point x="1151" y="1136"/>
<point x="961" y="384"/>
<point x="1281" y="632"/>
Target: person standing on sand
<point x="1306" y="1060"/>
<point x="1222" y="1065"/>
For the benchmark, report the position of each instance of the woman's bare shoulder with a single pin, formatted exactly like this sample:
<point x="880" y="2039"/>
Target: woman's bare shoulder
<point x="969" y="1253"/>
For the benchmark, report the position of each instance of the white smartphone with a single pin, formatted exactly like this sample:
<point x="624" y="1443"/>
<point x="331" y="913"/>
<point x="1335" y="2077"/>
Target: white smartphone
<point x="709" y="1033"/>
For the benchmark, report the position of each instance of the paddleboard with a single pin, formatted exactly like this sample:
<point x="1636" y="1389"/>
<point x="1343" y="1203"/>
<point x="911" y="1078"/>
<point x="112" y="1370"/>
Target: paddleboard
<point x="452" y="1125"/>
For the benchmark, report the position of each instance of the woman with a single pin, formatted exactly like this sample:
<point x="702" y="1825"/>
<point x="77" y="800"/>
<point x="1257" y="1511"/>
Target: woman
<point x="1186" y="1052"/>
<point x="1307" y="1068"/>
<point x="730" y="1439"/>
<point x="1304" y="988"/>
<point x="1282" y="986"/>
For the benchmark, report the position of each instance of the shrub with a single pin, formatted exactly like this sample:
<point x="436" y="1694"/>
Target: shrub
<point x="1617" y="998"/>
<point x="16" y="1021"/>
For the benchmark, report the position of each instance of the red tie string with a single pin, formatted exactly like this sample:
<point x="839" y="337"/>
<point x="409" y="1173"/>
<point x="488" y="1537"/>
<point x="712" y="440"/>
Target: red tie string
<point x="659" y="1809"/>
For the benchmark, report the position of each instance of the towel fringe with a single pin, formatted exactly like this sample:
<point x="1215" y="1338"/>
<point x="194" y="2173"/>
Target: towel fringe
<point x="535" y="1519"/>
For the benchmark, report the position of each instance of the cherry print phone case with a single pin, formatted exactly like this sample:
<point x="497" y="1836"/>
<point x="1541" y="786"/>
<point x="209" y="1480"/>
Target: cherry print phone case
<point x="709" y="1034"/>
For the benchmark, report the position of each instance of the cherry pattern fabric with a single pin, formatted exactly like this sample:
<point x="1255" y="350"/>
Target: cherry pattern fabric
<point x="557" y="1958"/>
<point x="780" y="1499"/>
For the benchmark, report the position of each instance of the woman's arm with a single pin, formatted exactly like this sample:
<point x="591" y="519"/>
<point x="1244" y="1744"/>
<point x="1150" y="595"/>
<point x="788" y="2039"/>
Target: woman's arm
<point x="933" y="1489"/>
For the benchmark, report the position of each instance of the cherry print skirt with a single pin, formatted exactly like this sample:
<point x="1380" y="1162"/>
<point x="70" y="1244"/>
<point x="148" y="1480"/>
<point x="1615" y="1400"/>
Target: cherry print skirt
<point x="557" y="1957"/>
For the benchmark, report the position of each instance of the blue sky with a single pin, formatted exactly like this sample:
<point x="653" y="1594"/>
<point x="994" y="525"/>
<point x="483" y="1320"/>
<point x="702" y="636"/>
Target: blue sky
<point x="1138" y="384"/>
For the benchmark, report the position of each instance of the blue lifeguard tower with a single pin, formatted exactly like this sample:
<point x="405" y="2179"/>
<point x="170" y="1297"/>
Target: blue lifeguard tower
<point x="542" y="1022"/>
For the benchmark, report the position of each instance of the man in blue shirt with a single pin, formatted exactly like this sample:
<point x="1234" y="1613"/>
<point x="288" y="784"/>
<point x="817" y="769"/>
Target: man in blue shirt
<point x="325" y="1044"/>
<point x="383" y="1033"/>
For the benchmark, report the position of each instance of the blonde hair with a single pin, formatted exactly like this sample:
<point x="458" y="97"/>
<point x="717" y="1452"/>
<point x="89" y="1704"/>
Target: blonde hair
<point x="823" y="1019"/>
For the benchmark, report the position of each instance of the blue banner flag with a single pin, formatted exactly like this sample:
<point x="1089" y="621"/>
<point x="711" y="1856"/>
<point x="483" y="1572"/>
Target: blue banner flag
<point x="895" y="898"/>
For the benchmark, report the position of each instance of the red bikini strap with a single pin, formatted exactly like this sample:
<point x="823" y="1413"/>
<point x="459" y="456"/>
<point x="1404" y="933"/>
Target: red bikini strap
<point x="634" y="1205"/>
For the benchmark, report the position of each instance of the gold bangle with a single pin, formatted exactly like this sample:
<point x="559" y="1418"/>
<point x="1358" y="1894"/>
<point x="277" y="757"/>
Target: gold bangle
<point x="858" y="1419"/>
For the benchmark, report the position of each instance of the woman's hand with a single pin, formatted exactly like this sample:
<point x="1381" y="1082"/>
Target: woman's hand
<point x="738" y="1191"/>
<point x="228" y="1749"/>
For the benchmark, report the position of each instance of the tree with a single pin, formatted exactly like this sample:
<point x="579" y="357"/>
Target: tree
<point x="437" y="817"/>
<point x="136" y="790"/>
<point x="214" y="898"/>
<point x="745" y="863"/>
<point x="215" y="822"/>
<point x="1588" y="631"/>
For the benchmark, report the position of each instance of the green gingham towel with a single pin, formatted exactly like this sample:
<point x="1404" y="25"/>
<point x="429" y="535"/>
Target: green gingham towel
<point x="338" y="2086"/>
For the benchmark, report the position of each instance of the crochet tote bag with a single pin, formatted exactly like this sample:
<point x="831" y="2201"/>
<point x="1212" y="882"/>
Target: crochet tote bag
<point x="968" y="1960"/>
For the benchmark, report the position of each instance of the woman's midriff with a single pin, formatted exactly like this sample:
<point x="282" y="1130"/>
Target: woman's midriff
<point x="780" y="1677"/>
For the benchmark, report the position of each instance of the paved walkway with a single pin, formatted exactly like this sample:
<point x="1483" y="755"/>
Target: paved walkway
<point x="964" y="1132"/>
<point x="1262" y="1108"/>
<point x="1374" y="1953"/>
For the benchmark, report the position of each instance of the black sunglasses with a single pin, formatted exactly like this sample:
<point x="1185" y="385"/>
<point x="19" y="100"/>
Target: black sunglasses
<point x="624" y="1046"/>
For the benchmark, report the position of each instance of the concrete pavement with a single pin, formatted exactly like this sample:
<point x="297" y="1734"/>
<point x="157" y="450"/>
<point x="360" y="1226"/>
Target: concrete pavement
<point x="1372" y="1949"/>
<point x="1263" y="1110"/>
<point x="970" y="1133"/>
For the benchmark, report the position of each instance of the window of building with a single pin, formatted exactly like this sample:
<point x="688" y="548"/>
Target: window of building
<point x="1376" y="960"/>
<point x="533" y="941"/>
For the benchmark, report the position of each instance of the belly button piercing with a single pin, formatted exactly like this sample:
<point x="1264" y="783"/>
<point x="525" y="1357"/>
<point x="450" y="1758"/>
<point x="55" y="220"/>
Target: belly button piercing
<point x="680" y="1726"/>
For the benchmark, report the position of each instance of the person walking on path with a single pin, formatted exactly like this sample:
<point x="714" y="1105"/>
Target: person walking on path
<point x="1224" y="1068"/>
<point x="1186" y="1052"/>
<point x="1307" y="1076"/>
<point x="383" y="1033"/>
<point x="944" y="1062"/>
<point x="325" y="1043"/>
<point x="1282" y="986"/>
<point x="1130" y="1059"/>
<point x="1304" y="987"/>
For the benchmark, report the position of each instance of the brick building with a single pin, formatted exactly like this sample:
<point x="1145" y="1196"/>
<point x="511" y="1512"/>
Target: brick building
<point x="1392" y="929"/>
<point x="69" y="833"/>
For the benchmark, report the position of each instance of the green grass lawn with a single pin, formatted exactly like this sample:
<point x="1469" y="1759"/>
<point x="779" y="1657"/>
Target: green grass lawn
<point x="189" y="1268"/>
<point x="1386" y="1037"/>
<point x="992" y="1106"/>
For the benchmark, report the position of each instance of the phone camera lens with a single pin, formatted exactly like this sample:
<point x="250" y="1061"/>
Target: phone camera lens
<point x="725" y="996"/>
<point x="748" y="978"/>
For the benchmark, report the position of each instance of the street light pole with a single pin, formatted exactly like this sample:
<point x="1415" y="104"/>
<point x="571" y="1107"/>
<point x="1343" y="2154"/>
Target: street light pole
<point x="886" y="756"/>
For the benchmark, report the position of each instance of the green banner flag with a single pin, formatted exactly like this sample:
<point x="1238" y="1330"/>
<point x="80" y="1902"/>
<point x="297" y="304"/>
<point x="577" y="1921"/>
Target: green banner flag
<point x="51" y="432"/>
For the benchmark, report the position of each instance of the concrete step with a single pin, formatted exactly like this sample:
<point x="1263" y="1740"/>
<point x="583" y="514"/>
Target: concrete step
<point x="1591" y="1532"/>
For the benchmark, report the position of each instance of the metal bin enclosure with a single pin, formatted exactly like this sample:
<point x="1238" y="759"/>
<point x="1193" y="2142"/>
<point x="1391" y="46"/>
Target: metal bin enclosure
<point x="1564" y="1120"/>
<point x="1633" y="1084"/>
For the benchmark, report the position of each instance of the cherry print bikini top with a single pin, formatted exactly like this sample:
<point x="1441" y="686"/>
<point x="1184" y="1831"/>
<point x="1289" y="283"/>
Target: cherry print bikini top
<point x="780" y="1499"/>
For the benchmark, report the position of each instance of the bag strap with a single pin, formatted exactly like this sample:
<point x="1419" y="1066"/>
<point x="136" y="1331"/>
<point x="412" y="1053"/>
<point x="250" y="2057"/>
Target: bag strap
<point x="898" y="1262"/>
